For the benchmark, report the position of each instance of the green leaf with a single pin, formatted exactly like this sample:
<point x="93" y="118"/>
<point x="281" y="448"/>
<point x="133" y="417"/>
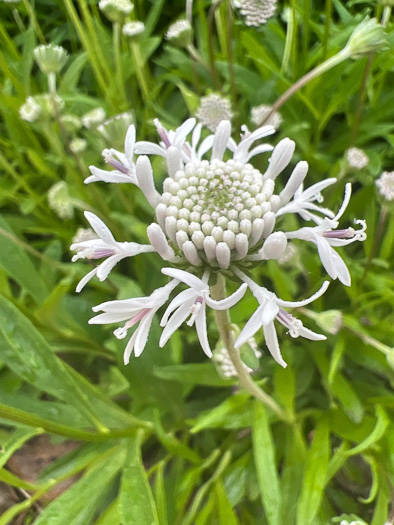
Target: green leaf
<point x="17" y="264"/>
<point x="225" y="512"/>
<point x="78" y="504"/>
<point x="15" y="441"/>
<point x="315" y="474"/>
<point x="234" y="412"/>
<point x="193" y="374"/>
<point x="27" y="353"/>
<point x="136" y="503"/>
<point x="264" y="458"/>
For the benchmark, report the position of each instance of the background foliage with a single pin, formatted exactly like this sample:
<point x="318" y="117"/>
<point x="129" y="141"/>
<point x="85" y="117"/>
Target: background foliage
<point x="167" y="440"/>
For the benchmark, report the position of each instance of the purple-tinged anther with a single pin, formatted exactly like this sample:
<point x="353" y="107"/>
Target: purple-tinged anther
<point x="349" y="233"/>
<point x="110" y="159"/>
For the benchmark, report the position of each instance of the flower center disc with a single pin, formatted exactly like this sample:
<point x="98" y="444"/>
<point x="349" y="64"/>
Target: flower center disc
<point x="214" y="199"/>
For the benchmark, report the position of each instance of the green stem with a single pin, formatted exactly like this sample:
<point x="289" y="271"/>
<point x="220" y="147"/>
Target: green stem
<point x="289" y="42"/>
<point x="230" y="54"/>
<point x="118" y="62"/>
<point x="25" y="418"/>
<point x="34" y="22"/>
<point x="197" y="57"/>
<point x="218" y="292"/>
<point x="140" y="71"/>
<point x="319" y="70"/>
<point x="327" y="25"/>
<point x="18" y="20"/>
<point x="211" y="23"/>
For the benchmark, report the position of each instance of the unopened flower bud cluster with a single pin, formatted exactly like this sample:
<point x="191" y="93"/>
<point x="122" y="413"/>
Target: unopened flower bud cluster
<point x="212" y="110"/>
<point x="385" y="185"/>
<point x="180" y="33"/>
<point x="215" y="212"/>
<point x="356" y="158"/>
<point x="260" y="113"/>
<point x="225" y="365"/>
<point x="257" y="12"/>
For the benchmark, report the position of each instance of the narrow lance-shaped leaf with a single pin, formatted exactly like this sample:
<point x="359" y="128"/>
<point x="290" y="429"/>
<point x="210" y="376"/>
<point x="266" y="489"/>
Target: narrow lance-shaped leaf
<point x="264" y="458"/>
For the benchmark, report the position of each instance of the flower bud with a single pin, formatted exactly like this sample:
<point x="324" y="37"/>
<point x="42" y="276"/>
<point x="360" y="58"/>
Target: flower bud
<point x="368" y="37"/>
<point x="59" y="200"/>
<point x="133" y="30"/>
<point x="78" y="145"/>
<point x="50" y="59"/>
<point x="180" y="33"/>
<point x="30" y="110"/>
<point x="274" y="246"/>
<point x="116" y="10"/>
<point x="70" y="122"/>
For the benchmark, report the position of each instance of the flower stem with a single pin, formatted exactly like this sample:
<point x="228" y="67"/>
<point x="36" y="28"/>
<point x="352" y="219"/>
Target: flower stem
<point x="320" y="69"/>
<point x="141" y="73"/>
<point x="218" y="292"/>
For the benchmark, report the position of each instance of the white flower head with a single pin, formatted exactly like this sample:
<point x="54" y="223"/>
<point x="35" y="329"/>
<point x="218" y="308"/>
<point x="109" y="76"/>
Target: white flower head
<point x="180" y="33"/>
<point x="93" y="118"/>
<point x="59" y="200"/>
<point x="259" y="114"/>
<point x="212" y="110"/>
<point x="257" y="12"/>
<point x="78" y="145"/>
<point x="116" y="10"/>
<point x="217" y="213"/>
<point x="30" y="110"/>
<point x="50" y="58"/>
<point x="356" y="158"/>
<point x="133" y="29"/>
<point x="385" y="185"/>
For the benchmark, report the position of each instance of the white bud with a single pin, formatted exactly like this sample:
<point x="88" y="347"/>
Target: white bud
<point x="280" y="158"/>
<point x="274" y="246"/>
<point x="222" y="136"/>
<point x="223" y="255"/>
<point x="191" y="254"/>
<point x="172" y="211"/>
<point x="269" y="223"/>
<point x="174" y="163"/>
<point x="241" y="245"/>
<point x="233" y="226"/>
<point x="159" y="242"/>
<point x="198" y="239"/>
<point x="209" y="245"/>
<point x="294" y="182"/>
<point x="275" y="202"/>
<point x="207" y="227"/>
<point x="257" y="231"/>
<point x="217" y="232"/>
<point x="265" y="208"/>
<point x="246" y="227"/>
<point x="161" y="214"/>
<point x="182" y="224"/>
<point x="181" y="238"/>
<point x="171" y="229"/>
<point x="222" y="222"/>
<point x="193" y="227"/>
<point x="229" y="239"/>
<point x="256" y="212"/>
<point x="145" y="180"/>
